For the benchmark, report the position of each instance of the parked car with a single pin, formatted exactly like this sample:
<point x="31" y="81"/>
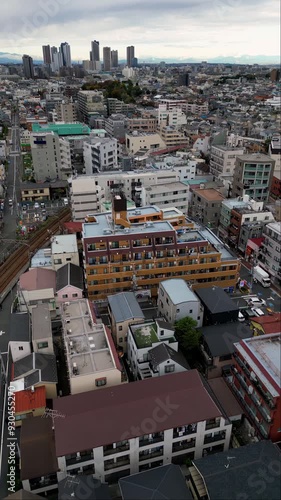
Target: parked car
<point x="42" y="205"/>
<point x="24" y="208"/>
<point x="36" y="205"/>
<point x="65" y="202"/>
<point x="10" y="202"/>
<point x="256" y="301"/>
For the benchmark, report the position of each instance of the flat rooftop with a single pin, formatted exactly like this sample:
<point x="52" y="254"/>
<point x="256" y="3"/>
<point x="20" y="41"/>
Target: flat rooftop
<point x="145" y="335"/>
<point x="179" y="291"/>
<point x="167" y="187"/>
<point x="255" y="158"/>
<point x="86" y="342"/>
<point x="65" y="243"/>
<point x="209" y="194"/>
<point x="104" y="223"/>
<point x="42" y="258"/>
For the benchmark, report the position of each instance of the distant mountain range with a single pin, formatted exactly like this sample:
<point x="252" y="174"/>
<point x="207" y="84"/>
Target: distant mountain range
<point x="10" y="58"/>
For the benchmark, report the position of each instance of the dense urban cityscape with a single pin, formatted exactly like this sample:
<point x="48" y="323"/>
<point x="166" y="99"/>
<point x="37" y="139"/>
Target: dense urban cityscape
<point x="140" y="278"/>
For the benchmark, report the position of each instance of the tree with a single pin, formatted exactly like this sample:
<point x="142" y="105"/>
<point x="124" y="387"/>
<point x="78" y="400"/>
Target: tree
<point x="187" y="333"/>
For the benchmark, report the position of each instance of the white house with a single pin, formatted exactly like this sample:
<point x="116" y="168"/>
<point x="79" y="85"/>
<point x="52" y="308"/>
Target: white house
<point x="64" y="250"/>
<point x="176" y="301"/>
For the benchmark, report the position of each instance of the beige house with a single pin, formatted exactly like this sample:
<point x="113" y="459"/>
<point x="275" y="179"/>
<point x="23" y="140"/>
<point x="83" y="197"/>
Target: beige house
<point x="137" y="141"/>
<point x="124" y="310"/>
<point x="42" y="340"/>
<point x="37" y="286"/>
<point x="64" y="249"/>
<point x="173" y="137"/>
<point x="91" y="357"/>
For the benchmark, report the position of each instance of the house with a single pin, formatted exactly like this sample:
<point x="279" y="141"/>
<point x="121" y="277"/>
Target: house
<point x="29" y="403"/>
<point x="163" y="359"/>
<point x="83" y="487"/>
<point x="221" y="393"/>
<point x="166" y="482"/>
<point x="37" y="285"/>
<point x="42" y="339"/>
<point x="37" y="370"/>
<point x="176" y="301"/>
<point x="218" y="345"/>
<point x="218" y="306"/>
<point x="251" y="471"/>
<point x="69" y="284"/>
<point x="64" y="249"/>
<point x="142" y="338"/>
<point x="19" y="335"/>
<point x="266" y="324"/>
<point x="91" y="358"/>
<point x="124" y="310"/>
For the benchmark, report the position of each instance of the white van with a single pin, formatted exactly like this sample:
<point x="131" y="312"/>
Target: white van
<point x="256" y="301"/>
<point x="65" y="202"/>
<point x="258" y="312"/>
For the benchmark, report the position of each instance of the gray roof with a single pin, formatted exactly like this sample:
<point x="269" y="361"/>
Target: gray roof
<point x="19" y="327"/>
<point x="164" y="352"/>
<point x="216" y="300"/>
<point x="124" y="306"/>
<point x="220" y="338"/>
<point x="178" y="291"/>
<point x="234" y="473"/>
<point x="45" y="363"/>
<point x="162" y="483"/>
<point x="41" y="322"/>
<point x="70" y="274"/>
<point x="165" y="325"/>
<point x="83" y="488"/>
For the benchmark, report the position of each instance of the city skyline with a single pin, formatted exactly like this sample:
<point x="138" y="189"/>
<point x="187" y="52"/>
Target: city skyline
<point x="182" y="30"/>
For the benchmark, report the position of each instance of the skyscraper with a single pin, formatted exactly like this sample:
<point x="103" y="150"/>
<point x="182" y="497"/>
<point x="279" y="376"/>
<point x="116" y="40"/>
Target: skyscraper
<point x="106" y="59"/>
<point x="130" y="55"/>
<point x="114" y="58"/>
<point x="95" y="52"/>
<point x="28" y="69"/>
<point x="46" y="54"/>
<point x="66" y="56"/>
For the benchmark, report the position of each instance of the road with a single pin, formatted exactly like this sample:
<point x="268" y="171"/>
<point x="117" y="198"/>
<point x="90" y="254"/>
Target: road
<point x="272" y="296"/>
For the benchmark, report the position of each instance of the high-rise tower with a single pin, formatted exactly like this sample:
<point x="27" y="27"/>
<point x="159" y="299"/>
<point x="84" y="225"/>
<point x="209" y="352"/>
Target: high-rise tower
<point x="46" y="54"/>
<point x="28" y="69"/>
<point x="106" y="59"/>
<point x="130" y="55"/>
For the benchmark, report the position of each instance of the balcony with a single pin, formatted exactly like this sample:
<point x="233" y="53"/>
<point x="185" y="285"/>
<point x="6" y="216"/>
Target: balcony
<point x="184" y="431"/>
<point x="110" y="450"/>
<point x="242" y="364"/>
<point x="212" y="424"/>
<point x="156" y="438"/>
<point x="110" y="464"/>
<point x="183" y="445"/>
<point x="148" y="454"/>
<point x="213" y="439"/>
<point x="37" y="483"/>
<point x="78" y="459"/>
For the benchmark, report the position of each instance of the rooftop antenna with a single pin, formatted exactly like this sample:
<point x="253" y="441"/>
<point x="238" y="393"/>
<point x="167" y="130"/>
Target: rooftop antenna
<point x="52" y="414"/>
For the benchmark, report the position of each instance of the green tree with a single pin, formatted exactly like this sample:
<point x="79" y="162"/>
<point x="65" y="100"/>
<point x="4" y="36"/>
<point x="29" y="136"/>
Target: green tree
<point x="186" y="333"/>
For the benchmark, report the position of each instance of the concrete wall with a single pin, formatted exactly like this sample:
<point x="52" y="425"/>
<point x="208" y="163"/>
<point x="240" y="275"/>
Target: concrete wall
<point x="85" y="383"/>
<point x="69" y="291"/>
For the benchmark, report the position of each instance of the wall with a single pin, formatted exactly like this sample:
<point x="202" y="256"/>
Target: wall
<point x="69" y="291"/>
<point x="85" y="383"/>
<point x="19" y="350"/>
<point x="72" y="257"/>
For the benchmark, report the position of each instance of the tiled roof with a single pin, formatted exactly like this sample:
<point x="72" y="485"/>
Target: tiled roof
<point x="29" y="400"/>
<point x="38" y="278"/>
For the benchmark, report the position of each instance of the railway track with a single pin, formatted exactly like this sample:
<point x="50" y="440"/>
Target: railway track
<point x="16" y="262"/>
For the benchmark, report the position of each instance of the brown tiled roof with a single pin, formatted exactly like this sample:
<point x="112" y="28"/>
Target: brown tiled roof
<point x="113" y="414"/>
<point x="225" y="397"/>
<point x="29" y="400"/>
<point x="37" y="447"/>
<point x="38" y="279"/>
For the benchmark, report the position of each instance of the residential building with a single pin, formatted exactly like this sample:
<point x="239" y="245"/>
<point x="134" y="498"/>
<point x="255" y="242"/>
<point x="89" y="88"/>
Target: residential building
<point x="64" y="250"/>
<point x="28" y="69"/>
<point x="227" y="400"/>
<point x="42" y="338"/>
<point x="106" y="59"/>
<point x="123" y="310"/>
<point x="237" y="474"/>
<point x="95" y="51"/>
<point x="36" y="370"/>
<point x="36" y="286"/>
<point x="114" y="58"/>
<point x="145" y="248"/>
<point x="218" y="346"/>
<point x="175" y="117"/>
<point x="218" y="306"/>
<point x="253" y="176"/>
<point x="66" y="112"/>
<point x="91" y="359"/>
<point x="270" y="253"/>
<point x="69" y="283"/>
<point x="19" y="336"/>
<point x="29" y="403"/>
<point x="141" y="124"/>
<point x="145" y="352"/>
<point x="222" y="161"/>
<point x="137" y="141"/>
<point x="275" y="154"/>
<point x="183" y="80"/>
<point x="114" y="106"/>
<point x="90" y="104"/>
<point x="76" y="486"/>
<point x="196" y="108"/>
<point x="172" y="104"/>
<point x="100" y="155"/>
<point x="205" y="206"/>
<point x="172" y="137"/>
<point x="115" y="126"/>
<point x="176" y="301"/>
<point x="46" y="54"/>
<point x="51" y="156"/>
<point x="169" y="195"/>
<point x="86" y="197"/>
<point x="130" y="55"/>
<point x="226" y="214"/>
<point x="255" y="380"/>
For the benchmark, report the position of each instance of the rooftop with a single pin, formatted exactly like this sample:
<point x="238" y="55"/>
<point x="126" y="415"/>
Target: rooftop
<point x="178" y="291"/>
<point x="38" y="279"/>
<point x="255" y="158"/>
<point x="62" y="128"/>
<point x="124" y="306"/>
<point x="274" y="226"/>
<point x="41" y="322"/>
<point x="70" y="274"/>
<point x="209" y="194"/>
<point x="30" y="399"/>
<point x="19" y="327"/>
<point x="163" y="352"/>
<point x="36" y="368"/>
<point x="65" y="243"/>
<point x="220" y="338"/>
<point x="42" y="258"/>
<point x="216" y="300"/>
<point x="225" y="397"/>
<point x="88" y="346"/>
<point x="234" y="473"/>
<point x="145" y="335"/>
<point x="83" y="487"/>
<point x="131" y="405"/>
<point x="104" y="223"/>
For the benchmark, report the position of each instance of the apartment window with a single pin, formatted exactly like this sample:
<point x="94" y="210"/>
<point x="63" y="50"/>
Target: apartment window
<point x="100" y="382"/>
<point x="68" y="259"/>
<point x="57" y="261"/>
<point x="120" y="328"/>
<point x="75" y="295"/>
<point x="20" y="348"/>
<point x="169" y="368"/>
<point x="121" y="340"/>
<point x="65" y="296"/>
<point x="42" y="345"/>
<point x="190" y="311"/>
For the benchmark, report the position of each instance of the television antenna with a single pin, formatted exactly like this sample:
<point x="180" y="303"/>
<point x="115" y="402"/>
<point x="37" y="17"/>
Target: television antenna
<point x="52" y="414"/>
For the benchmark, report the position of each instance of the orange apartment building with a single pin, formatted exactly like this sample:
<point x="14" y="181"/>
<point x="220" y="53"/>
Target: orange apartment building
<point x="137" y="249"/>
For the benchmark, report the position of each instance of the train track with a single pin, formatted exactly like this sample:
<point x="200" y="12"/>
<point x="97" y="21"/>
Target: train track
<point x="20" y="258"/>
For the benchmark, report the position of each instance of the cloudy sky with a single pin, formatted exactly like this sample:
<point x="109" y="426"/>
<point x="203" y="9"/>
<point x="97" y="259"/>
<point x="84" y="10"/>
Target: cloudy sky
<point x="158" y="28"/>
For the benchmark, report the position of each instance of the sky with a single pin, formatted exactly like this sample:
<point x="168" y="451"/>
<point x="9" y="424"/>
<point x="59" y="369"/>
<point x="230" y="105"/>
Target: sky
<point x="180" y="29"/>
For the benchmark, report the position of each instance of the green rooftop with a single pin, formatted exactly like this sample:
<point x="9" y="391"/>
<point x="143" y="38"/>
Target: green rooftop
<point x="62" y="128"/>
<point x="145" y="335"/>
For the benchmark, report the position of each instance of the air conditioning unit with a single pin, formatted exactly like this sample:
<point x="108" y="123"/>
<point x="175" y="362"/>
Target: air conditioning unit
<point x="114" y="446"/>
<point x="67" y="303"/>
<point x="268" y="418"/>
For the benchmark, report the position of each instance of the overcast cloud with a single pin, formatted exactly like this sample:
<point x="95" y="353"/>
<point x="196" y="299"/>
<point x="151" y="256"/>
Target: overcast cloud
<point x="158" y="28"/>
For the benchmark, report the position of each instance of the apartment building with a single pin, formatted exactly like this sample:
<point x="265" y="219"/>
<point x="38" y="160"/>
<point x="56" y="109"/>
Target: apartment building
<point x="275" y="154"/>
<point x="64" y="250"/>
<point x="51" y="156"/>
<point x="115" y="106"/>
<point x="100" y="155"/>
<point x="123" y="310"/>
<point x="205" y="206"/>
<point x="171" y="104"/>
<point x="176" y="301"/>
<point x="253" y="176"/>
<point x="173" y="137"/>
<point x="196" y="108"/>
<point x="141" y="141"/>
<point x="86" y="197"/>
<point x="139" y="248"/>
<point x="148" y="124"/>
<point x="174" y="117"/>
<point x="90" y="104"/>
<point x="222" y="161"/>
<point x="169" y="195"/>
<point x="225" y="214"/>
<point x="182" y="163"/>
<point x="91" y="358"/>
<point x="66" y="112"/>
<point x="255" y="381"/>
<point x="115" y="126"/>
<point x="270" y="252"/>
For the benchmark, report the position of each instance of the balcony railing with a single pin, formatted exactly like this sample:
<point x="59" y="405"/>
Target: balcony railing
<point x="77" y="460"/>
<point x="183" y="445"/>
<point x="119" y="463"/>
<point x="212" y="425"/>
<point x="213" y="439"/>
<point x="109" y="450"/>
<point x="154" y="453"/>
<point x="152" y="440"/>
<point x="37" y="483"/>
<point x="190" y="429"/>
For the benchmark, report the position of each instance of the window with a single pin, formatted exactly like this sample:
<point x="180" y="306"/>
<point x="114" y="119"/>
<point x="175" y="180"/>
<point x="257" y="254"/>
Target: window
<point x="121" y="339"/>
<point x="75" y="295"/>
<point x="42" y="345"/>
<point x="57" y="261"/>
<point x="100" y="382"/>
<point x="20" y="348"/>
<point x="68" y="259"/>
<point x="169" y="368"/>
<point x="190" y="311"/>
<point x="120" y="328"/>
<point x="65" y="296"/>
